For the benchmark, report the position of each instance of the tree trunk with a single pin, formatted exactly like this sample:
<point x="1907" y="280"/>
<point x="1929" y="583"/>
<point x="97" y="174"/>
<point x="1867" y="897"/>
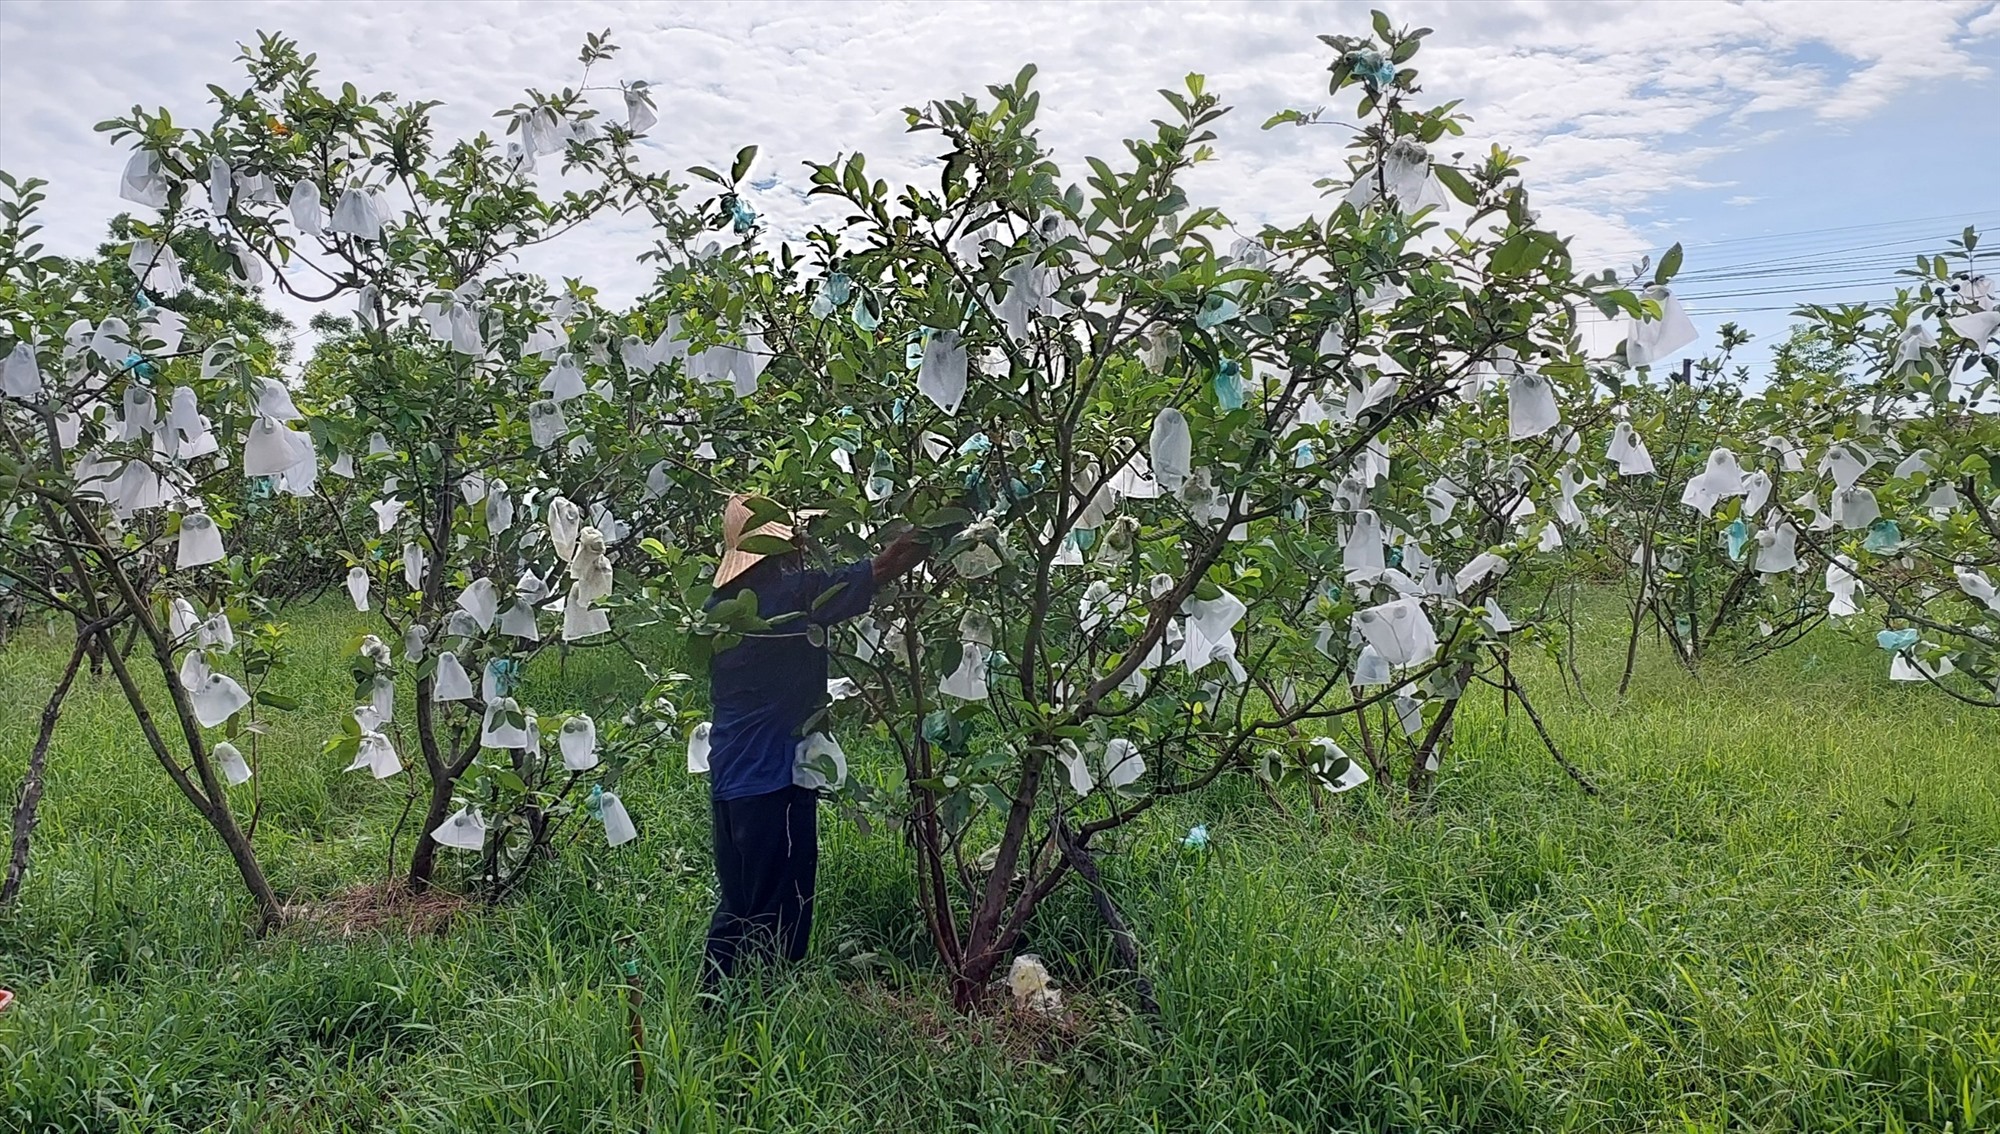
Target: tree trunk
<point x="210" y="797"/>
<point x="966" y="987"/>
<point x="212" y="804"/>
<point x="1437" y="738"/>
<point x="423" y="861"/>
<point x="207" y="797"/>
<point x="25" y="812"/>
<point x="444" y="769"/>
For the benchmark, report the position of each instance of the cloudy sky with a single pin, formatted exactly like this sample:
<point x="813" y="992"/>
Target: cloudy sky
<point x="1798" y="150"/>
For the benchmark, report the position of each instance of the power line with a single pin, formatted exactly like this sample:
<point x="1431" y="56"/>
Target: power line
<point x="1846" y="281"/>
<point x="1957" y="218"/>
<point x="1808" y="259"/>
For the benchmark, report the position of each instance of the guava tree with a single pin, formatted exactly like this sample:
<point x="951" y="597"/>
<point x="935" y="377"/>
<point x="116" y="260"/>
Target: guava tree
<point x="463" y="401"/>
<point x="209" y="305"/>
<point x="128" y="436"/>
<point x="1690" y="471"/>
<point x="1906" y="505"/>
<point x="1176" y="478"/>
<point x="457" y="379"/>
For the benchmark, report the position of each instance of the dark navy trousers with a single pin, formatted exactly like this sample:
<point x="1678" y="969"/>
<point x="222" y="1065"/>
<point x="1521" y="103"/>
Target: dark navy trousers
<point x="767" y="862"/>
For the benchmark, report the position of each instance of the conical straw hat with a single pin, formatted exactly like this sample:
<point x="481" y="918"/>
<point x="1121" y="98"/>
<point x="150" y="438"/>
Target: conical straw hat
<point x="735" y="560"/>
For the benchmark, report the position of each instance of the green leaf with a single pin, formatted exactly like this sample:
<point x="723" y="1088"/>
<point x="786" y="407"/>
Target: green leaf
<point x="744" y="158"/>
<point x="946" y="517"/>
<point x="1455" y="181"/>
<point x="996" y="798"/>
<point x="763" y="511"/>
<point x="1515" y="255"/>
<point x="277" y="700"/>
<point x="762" y="544"/>
<point x="1669" y="264"/>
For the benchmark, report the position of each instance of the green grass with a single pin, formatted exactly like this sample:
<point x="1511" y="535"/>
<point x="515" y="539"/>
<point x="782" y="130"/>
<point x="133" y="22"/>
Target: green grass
<point x="1743" y="933"/>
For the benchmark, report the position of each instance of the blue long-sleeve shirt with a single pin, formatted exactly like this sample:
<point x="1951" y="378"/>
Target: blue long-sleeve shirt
<point x="765" y="688"/>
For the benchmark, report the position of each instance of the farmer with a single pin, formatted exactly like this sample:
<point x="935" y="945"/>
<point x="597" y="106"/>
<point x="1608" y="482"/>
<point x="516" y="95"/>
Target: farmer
<point x="763" y="691"/>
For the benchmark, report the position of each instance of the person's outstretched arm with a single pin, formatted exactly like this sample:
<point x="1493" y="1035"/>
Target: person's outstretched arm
<point x="898" y="556"/>
<point x="847" y="593"/>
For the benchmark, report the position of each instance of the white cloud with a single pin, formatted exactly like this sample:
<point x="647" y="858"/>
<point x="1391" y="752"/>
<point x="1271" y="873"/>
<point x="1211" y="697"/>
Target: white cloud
<point x="1615" y="104"/>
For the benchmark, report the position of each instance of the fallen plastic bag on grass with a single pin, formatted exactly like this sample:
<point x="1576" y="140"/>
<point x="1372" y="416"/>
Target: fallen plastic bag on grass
<point x="1029" y="983"/>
